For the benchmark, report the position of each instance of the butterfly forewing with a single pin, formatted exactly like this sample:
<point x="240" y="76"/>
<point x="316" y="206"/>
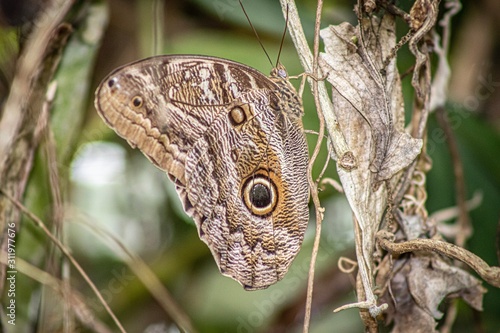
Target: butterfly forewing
<point x="232" y="141"/>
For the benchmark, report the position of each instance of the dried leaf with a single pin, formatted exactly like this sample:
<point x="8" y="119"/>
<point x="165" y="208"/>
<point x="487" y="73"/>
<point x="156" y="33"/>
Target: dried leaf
<point x="432" y="279"/>
<point x="370" y="111"/>
<point x="355" y="71"/>
<point x="421" y="282"/>
<point x="402" y="307"/>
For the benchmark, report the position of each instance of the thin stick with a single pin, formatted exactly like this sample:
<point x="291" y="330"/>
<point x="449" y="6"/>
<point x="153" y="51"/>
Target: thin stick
<point x="490" y="274"/>
<point x="67" y="253"/>
<point x="149" y="280"/>
<point x="57" y="213"/>
<point x="312" y="184"/>
<point x="28" y="67"/>
<point x="458" y="172"/>
<point x="78" y="306"/>
<point x="346" y="159"/>
<point x="158" y="7"/>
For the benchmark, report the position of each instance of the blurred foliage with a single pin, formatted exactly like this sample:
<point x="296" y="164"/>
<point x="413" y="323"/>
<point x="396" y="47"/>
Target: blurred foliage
<point x="478" y="146"/>
<point x="136" y="202"/>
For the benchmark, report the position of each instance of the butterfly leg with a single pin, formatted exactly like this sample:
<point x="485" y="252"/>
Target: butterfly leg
<point x="303" y="77"/>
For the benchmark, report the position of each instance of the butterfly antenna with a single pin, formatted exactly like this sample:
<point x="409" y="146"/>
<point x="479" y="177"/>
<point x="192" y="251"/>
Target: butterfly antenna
<point x="283" y="37"/>
<point x="255" y="32"/>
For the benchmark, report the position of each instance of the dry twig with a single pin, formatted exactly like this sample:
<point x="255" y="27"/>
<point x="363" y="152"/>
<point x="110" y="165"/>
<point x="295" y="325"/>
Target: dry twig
<point x="68" y="255"/>
<point x="490" y="274"/>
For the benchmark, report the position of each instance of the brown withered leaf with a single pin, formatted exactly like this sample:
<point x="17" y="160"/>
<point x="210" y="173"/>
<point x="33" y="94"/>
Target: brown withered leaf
<point x="432" y="279"/>
<point x="414" y="285"/>
<point x="403" y="310"/>
<point x="355" y="72"/>
<point x="370" y="111"/>
<point x="421" y="282"/>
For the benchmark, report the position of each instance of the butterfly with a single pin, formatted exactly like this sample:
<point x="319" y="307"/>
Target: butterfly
<point x="231" y="139"/>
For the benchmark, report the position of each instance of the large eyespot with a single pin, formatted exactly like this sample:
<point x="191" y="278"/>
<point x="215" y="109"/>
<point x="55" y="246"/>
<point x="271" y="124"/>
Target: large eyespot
<point x="260" y="195"/>
<point x="137" y="102"/>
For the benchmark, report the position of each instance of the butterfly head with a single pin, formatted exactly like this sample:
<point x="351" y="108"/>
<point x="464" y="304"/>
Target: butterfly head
<point x="288" y="99"/>
<point x="279" y="72"/>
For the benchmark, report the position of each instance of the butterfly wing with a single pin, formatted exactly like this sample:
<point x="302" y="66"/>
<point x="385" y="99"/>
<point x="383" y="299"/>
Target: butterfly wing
<point x="238" y="161"/>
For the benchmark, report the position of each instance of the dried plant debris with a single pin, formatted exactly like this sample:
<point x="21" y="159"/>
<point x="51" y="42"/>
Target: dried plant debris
<point x="369" y="106"/>
<point x="420" y="283"/>
<point x="414" y="284"/>
<point x="354" y="64"/>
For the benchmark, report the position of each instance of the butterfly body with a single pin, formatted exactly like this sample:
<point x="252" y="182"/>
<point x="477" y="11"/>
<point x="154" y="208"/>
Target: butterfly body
<point x="231" y="139"/>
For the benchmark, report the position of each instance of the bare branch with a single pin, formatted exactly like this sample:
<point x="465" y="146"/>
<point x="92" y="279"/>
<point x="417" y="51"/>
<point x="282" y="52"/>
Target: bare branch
<point x="345" y="158"/>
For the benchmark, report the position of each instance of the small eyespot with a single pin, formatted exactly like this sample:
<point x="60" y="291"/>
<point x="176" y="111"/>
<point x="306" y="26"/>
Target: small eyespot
<point x="235" y="154"/>
<point x="260" y="195"/>
<point x="137" y="101"/>
<point x="237" y="116"/>
<point x="112" y="82"/>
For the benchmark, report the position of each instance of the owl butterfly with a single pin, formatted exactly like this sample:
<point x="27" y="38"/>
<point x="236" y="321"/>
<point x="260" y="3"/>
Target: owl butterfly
<point x="232" y="141"/>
